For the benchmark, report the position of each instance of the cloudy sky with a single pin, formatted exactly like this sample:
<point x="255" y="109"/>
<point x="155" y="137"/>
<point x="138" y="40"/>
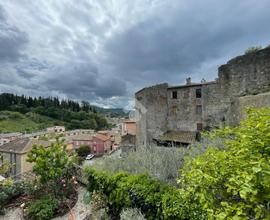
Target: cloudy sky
<point x="105" y="50"/>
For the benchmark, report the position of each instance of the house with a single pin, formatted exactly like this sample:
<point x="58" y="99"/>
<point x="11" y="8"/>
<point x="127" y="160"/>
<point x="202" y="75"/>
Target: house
<point x="128" y="127"/>
<point x="56" y="129"/>
<point x="74" y="142"/>
<point x="15" y="153"/>
<point x="10" y="136"/>
<point x="128" y="144"/>
<point x="99" y="143"/>
<point x="102" y="144"/>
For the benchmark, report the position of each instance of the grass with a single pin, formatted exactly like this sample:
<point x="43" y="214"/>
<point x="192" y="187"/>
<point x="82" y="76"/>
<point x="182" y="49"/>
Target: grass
<point x="17" y="122"/>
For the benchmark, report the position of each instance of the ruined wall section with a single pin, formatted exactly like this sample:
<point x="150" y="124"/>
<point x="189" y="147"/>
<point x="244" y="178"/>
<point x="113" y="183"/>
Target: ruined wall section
<point x="151" y="113"/>
<point x="240" y="104"/>
<point x="246" y="75"/>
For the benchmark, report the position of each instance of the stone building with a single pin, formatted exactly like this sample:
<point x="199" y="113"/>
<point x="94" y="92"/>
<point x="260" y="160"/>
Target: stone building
<point x="15" y="153"/>
<point x="174" y="115"/>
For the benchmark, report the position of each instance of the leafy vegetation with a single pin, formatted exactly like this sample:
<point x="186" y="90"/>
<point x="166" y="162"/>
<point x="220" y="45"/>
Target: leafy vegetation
<point x="17" y="122"/>
<point x="253" y="49"/>
<point x="124" y="191"/>
<point x="161" y="163"/>
<point x="227" y="181"/>
<point x="55" y="171"/>
<point x="38" y="113"/>
<point x="131" y="214"/>
<point x="234" y="183"/>
<point x="42" y="209"/>
<point x="53" y="166"/>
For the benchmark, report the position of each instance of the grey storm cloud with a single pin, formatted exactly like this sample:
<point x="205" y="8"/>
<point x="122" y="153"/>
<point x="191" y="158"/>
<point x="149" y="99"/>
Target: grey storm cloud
<point x="12" y="40"/>
<point x="104" y="51"/>
<point x="83" y="81"/>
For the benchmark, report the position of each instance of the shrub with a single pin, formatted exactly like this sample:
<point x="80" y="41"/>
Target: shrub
<point x="83" y="151"/>
<point x="253" y="49"/>
<point x="10" y="191"/>
<point x="125" y="191"/>
<point x="54" y="167"/>
<point x="42" y="209"/>
<point x="131" y="214"/>
<point x="161" y="163"/>
<point x="233" y="183"/>
<point x="98" y="206"/>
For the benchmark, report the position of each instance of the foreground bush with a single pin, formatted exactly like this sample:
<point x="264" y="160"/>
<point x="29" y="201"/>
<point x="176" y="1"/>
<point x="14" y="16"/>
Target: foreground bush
<point x="131" y="214"/>
<point x="42" y="209"/>
<point x="124" y="191"/>
<point x="233" y="183"/>
<point x="161" y="163"/>
<point x="9" y="192"/>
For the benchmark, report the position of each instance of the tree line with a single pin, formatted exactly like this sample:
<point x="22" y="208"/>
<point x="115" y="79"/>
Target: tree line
<point x="70" y="113"/>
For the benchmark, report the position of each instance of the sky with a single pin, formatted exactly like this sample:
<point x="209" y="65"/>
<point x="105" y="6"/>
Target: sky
<point x="103" y="51"/>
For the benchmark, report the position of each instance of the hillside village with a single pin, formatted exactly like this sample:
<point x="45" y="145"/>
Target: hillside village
<point x="168" y="123"/>
<point x="14" y="147"/>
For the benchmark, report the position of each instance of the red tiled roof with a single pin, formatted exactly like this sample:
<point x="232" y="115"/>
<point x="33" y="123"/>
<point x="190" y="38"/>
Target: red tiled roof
<point x="102" y="137"/>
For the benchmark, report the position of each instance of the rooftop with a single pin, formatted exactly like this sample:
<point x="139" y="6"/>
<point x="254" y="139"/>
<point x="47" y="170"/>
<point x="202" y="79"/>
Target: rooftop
<point x="102" y="137"/>
<point x="192" y="85"/>
<point x="186" y="137"/>
<point x="22" y="145"/>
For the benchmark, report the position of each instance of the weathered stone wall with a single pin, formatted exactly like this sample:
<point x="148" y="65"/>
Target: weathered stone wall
<point x="238" y="108"/>
<point x="215" y="105"/>
<point x="151" y="113"/>
<point x="182" y="113"/>
<point x="222" y="101"/>
<point x="246" y="75"/>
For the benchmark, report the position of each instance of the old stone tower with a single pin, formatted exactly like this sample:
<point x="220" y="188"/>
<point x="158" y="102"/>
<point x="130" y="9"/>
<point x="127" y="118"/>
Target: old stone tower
<point x="173" y="115"/>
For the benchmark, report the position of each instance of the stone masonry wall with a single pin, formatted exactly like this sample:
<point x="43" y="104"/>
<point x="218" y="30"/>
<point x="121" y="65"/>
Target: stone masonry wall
<point x="244" y="81"/>
<point x="182" y="113"/>
<point x="238" y="108"/>
<point x="151" y="113"/>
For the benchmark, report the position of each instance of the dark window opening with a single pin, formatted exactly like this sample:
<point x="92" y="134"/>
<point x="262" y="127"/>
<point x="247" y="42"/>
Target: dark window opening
<point x="198" y="109"/>
<point x="174" y="94"/>
<point x="199" y="126"/>
<point x="198" y="93"/>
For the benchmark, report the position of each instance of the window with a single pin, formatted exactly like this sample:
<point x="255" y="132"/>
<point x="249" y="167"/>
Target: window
<point x="199" y="126"/>
<point x="198" y="109"/>
<point x="174" y="94"/>
<point x="198" y="93"/>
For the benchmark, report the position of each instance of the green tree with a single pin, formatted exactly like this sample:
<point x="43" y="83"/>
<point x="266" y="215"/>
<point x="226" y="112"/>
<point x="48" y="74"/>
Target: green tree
<point x="51" y="163"/>
<point x="54" y="167"/>
<point x="83" y="151"/>
<point x="233" y="183"/>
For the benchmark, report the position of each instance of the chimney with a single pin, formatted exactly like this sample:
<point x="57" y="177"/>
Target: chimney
<point x="188" y="81"/>
<point x="203" y="80"/>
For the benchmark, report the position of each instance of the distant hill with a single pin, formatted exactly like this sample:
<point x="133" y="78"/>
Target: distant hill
<point x="112" y="112"/>
<point x="17" y="122"/>
<point x="22" y="113"/>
